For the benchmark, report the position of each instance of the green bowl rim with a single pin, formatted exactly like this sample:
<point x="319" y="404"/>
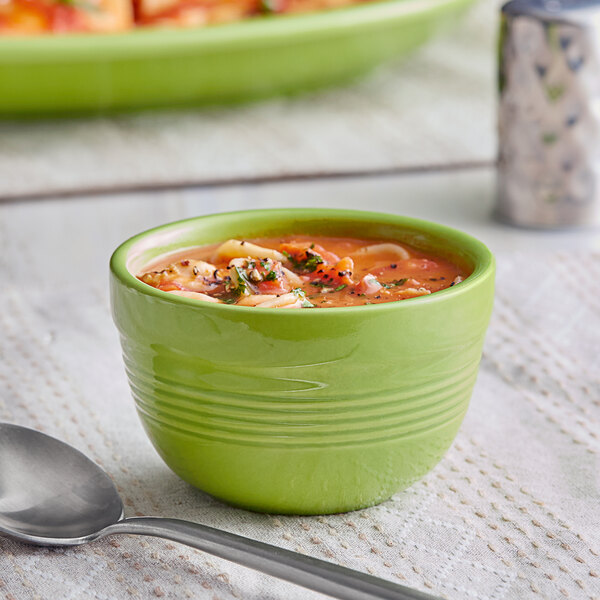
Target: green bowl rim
<point x="264" y="31"/>
<point x="484" y="266"/>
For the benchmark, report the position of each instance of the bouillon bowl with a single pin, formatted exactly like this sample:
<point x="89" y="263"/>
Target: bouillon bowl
<point x="306" y="411"/>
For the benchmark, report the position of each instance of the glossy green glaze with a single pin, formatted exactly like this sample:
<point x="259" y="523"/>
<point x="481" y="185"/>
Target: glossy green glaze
<point x="72" y="74"/>
<point x="301" y="411"/>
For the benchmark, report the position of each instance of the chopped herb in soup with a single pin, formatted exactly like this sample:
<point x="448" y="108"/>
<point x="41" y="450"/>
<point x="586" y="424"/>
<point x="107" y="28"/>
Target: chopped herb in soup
<point x="303" y="272"/>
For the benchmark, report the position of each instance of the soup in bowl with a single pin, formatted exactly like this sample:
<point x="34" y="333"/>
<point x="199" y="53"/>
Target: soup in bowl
<point x="353" y="394"/>
<point x="302" y="272"/>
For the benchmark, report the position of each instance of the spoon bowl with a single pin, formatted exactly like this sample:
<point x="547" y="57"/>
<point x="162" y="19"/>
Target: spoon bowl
<point x="53" y="495"/>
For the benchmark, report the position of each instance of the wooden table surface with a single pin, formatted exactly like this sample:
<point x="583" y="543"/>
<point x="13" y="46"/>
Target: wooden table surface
<point x="434" y="109"/>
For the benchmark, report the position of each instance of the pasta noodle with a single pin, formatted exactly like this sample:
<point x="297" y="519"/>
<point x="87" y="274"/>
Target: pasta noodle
<point x="285" y="301"/>
<point x="236" y="249"/>
<point x="292" y="277"/>
<point x="256" y="299"/>
<point x="394" y="249"/>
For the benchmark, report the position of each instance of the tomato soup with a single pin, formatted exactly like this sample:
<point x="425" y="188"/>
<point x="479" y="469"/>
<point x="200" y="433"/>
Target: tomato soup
<point x="303" y="272"/>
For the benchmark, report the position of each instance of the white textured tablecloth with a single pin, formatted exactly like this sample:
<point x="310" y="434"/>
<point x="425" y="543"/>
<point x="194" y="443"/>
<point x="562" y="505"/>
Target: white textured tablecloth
<point x="436" y="107"/>
<point x="511" y="512"/>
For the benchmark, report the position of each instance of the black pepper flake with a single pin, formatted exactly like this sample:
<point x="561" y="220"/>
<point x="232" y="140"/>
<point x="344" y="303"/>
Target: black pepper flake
<point x="394" y="266"/>
<point x="452" y="283"/>
<point x="377" y="297"/>
<point x="243" y="242"/>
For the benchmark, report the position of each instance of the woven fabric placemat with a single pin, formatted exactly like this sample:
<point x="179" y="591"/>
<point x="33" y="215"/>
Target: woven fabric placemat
<point x="511" y="512"/>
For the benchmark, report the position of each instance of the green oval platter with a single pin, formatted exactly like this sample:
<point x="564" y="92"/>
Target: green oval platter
<point x="86" y="73"/>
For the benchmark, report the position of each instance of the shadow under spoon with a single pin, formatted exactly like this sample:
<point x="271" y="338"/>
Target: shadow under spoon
<point x="53" y="495"/>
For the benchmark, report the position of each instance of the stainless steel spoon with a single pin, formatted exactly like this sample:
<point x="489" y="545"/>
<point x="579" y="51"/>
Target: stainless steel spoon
<point x="53" y="495"/>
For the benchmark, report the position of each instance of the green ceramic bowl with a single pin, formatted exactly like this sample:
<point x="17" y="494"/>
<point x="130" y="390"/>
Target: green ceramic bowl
<point x="301" y="411"/>
<point x="69" y="74"/>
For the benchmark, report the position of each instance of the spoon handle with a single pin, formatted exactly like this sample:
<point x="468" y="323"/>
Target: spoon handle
<point x="309" y="572"/>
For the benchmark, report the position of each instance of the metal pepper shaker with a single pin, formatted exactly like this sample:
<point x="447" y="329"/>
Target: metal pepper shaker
<point x="549" y="113"/>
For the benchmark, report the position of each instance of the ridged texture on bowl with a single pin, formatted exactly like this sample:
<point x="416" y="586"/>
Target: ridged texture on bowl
<point x="302" y="411"/>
